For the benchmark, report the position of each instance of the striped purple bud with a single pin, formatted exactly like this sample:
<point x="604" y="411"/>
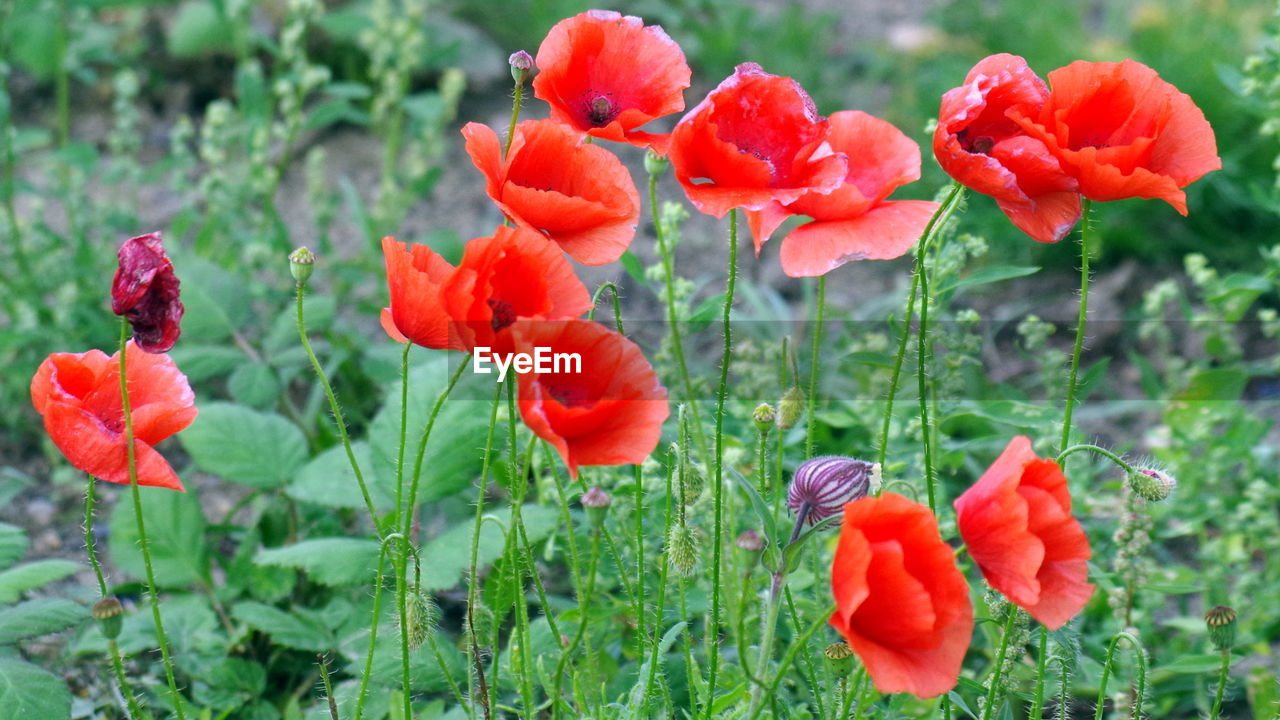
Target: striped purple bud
<point x="822" y="486"/>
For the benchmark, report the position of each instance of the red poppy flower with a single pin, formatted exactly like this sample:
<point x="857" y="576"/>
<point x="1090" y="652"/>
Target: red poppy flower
<point x="855" y="221"/>
<point x="607" y="74"/>
<point x="1123" y="132"/>
<point x="417" y="311"/>
<point x="979" y="144"/>
<point x="1017" y="525"/>
<point x="579" y="195"/>
<point x="517" y="274"/>
<point x="145" y="291"/>
<point x="757" y="143"/>
<point x="901" y="602"/>
<point x="79" y="397"/>
<point x="605" y="409"/>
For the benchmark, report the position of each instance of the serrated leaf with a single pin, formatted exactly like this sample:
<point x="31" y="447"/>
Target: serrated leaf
<point x="28" y="692"/>
<point x="34" y="618"/>
<point x="175" y="534"/>
<point x="29" y="576"/>
<point x="243" y="445"/>
<point x="285" y="628"/>
<point x="329" y="561"/>
<point x="450" y="552"/>
<point x="13" y="544"/>
<point x="329" y="480"/>
<point x="255" y="385"/>
<point x="201" y="362"/>
<point x="215" y="299"/>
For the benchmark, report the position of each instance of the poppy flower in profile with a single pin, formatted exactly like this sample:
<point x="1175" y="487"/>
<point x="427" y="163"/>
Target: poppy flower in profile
<point x="607" y="74"/>
<point x="756" y="142"/>
<point x="604" y="408"/>
<point x="980" y="145"/>
<point x="1122" y="132"/>
<point x="856" y="221"/>
<point x="1017" y="525"/>
<point x="79" y="396"/>
<point x="515" y="275"/>
<point x="145" y="291"/>
<point x="579" y="195"/>
<point x="901" y="602"/>
<point x="416" y="313"/>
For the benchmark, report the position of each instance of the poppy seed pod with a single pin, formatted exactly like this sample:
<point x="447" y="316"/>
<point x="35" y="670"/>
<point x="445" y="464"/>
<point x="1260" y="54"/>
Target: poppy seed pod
<point x="1222" y="627"/>
<point x="108" y="612"/>
<point x="822" y="486"/>
<point x="764" y="416"/>
<point x="301" y="262"/>
<point x="521" y="63"/>
<point x="654" y="164"/>
<point x="596" y="502"/>
<point x="839" y="658"/>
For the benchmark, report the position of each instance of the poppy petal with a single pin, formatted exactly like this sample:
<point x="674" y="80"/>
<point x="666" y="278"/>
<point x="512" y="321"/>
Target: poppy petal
<point x="883" y="233"/>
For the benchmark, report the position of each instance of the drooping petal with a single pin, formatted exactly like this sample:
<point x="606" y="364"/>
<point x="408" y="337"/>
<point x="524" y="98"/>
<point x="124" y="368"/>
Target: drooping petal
<point x="885" y="232"/>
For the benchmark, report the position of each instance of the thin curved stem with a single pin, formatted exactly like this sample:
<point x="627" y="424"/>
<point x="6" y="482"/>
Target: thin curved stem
<point x="517" y="99"/>
<point x="713" y="633"/>
<point x="815" y="366"/>
<point x="1085" y="206"/>
<point x="373" y="633"/>
<point x="923" y="347"/>
<point x="999" y="669"/>
<point x="1141" y="684"/>
<point x="1097" y="451"/>
<point x="142" y="528"/>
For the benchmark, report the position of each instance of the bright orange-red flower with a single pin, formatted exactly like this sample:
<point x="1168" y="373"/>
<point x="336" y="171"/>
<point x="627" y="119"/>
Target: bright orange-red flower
<point x="1017" y="525"/>
<point x="608" y="409"/>
<point x="757" y="143"/>
<point x="978" y="143"/>
<point x="607" y="74"/>
<point x="579" y="195"/>
<point x="79" y="396"/>
<point x="416" y="313"/>
<point x="901" y="602"/>
<point x="515" y="275"/>
<point x="856" y="221"/>
<point x="1122" y="132"/>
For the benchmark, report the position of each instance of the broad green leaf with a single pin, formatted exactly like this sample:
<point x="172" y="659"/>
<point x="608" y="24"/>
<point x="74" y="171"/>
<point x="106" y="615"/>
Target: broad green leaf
<point x="285" y="628"/>
<point x="13" y="544"/>
<point x="1193" y="664"/>
<point x="243" y="445"/>
<point x="215" y="299"/>
<point x="329" y="561"/>
<point x="201" y="362"/>
<point x="27" y="692"/>
<point x="329" y="480"/>
<point x="29" y="576"/>
<point x="230" y="683"/>
<point x="175" y="533"/>
<point x="424" y="671"/>
<point x="198" y="29"/>
<point x="34" y="618"/>
<point x="988" y="275"/>
<point x="255" y="385"/>
<point x="446" y="558"/>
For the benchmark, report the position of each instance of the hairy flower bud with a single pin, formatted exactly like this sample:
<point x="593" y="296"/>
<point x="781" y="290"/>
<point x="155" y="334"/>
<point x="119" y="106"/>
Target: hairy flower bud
<point x="1152" y="484"/>
<point x="790" y="408"/>
<point x="301" y="262"/>
<point x="764" y="417"/>
<point x="1222" y="627"/>
<point x="145" y="291"/>
<point x="521" y="63"/>
<point x="694" y="481"/>
<point x="839" y="658"/>
<point x="109" y="613"/>
<point x="596" y="502"/>
<point x="749" y="541"/>
<point x="682" y="549"/>
<point x="419" y="617"/>
<point x="823" y="485"/>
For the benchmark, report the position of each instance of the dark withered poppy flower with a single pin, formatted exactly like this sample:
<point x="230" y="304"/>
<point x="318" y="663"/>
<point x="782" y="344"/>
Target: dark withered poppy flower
<point x="1122" y="132"/>
<point x="1017" y="525"/>
<point x="979" y="144"/>
<point x="515" y="275"/>
<point x="901" y="602"/>
<point x="145" y="291"/>
<point x="416" y="313"/>
<point x="607" y="74"/>
<point x="79" y="396"/>
<point x="579" y="195"/>
<point x="607" y="408"/>
<point x="857" y="221"/>
<point x="757" y="143"/>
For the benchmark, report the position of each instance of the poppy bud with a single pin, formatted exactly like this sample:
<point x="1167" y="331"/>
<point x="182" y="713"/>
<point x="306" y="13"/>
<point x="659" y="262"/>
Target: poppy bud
<point x="654" y="164"/>
<point x="790" y="408"/>
<point x="695" y="479"/>
<point x="521" y="63"/>
<point x="301" y="262"/>
<point x="822" y="486"/>
<point x="419" y="617"/>
<point x="750" y="541"/>
<point x="109" y="613"/>
<point x="1151" y="484"/>
<point x="682" y="549"/>
<point x="145" y="292"/>
<point x="596" y="502"/>
<point x="764" y="416"/>
<point x="1222" y="627"/>
<point x="839" y="658"/>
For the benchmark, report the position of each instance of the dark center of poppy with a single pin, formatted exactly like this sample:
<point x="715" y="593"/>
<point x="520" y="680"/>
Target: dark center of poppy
<point x="504" y="315"/>
<point x="980" y="145"/>
<point x="569" y="396"/>
<point x="601" y="111"/>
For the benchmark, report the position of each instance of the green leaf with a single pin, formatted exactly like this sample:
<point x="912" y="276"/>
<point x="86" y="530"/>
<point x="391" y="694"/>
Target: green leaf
<point x="329" y="561"/>
<point x="1193" y="664"/>
<point x="13" y="544"/>
<point x="175" y="533"/>
<point x="255" y="385"/>
<point x="32" y="575"/>
<point x="201" y="362"/>
<point x="199" y="28"/>
<point x="988" y="275"/>
<point x="215" y="300"/>
<point x="707" y="311"/>
<point x="34" y="618"/>
<point x="230" y="683"/>
<point x="285" y="628"/>
<point x="328" y="480"/>
<point x="450" y="553"/>
<point x="634" y="268"/>
<point x="243" y="445"/>
<point x="28" y="692"/>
